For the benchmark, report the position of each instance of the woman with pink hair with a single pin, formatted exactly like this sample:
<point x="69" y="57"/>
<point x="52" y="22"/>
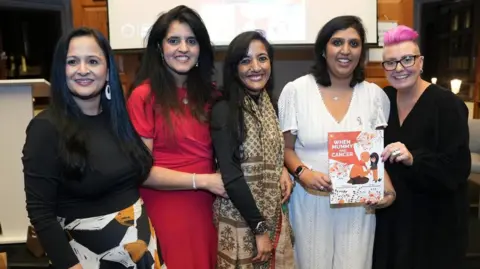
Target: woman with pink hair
<point x="428" y="160"/>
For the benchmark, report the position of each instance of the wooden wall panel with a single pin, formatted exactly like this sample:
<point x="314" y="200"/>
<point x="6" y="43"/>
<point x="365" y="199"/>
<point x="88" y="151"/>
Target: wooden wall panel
<point x="91" y="13"/>
<point x="3" y="60"/>
<point x="476" y="93"/>
<point x="397" y="10"/>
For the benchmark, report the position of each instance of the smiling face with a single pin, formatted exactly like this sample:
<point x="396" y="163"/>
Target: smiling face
<point x="402" y="75"/>
<point x="255" y="68"/>
<point x="180" y="48"/>
<point x="343" y="53"/>
<point x="86" y="67"/>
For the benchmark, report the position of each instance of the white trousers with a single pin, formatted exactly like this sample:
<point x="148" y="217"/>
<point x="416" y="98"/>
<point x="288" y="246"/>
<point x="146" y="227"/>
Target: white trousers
<point x="328" y="237"/>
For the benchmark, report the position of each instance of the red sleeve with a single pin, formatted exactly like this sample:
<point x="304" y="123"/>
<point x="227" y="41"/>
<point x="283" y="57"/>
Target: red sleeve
<point x="140" y="109"/>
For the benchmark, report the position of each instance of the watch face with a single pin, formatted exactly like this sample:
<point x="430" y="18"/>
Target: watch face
<point x="262" y="228"/>
<point x="299" y="170"/>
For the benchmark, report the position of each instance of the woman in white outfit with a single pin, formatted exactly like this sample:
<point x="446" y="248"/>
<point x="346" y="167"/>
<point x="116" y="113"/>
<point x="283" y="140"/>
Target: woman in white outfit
<point x="333" y="97"/>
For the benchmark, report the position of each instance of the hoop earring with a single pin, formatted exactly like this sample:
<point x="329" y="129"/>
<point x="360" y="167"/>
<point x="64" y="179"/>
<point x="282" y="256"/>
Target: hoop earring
<point x="108" y="92"/>
<point x="421" y="71"/>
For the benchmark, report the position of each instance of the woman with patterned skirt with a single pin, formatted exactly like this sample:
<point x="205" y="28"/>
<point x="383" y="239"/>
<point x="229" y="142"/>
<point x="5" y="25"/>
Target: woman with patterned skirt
<point x="83" y="165"/>
<point x="253" y="230"/>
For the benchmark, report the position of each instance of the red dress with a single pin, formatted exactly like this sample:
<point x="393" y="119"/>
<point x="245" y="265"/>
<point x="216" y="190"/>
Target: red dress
<point x="183" y="220"/>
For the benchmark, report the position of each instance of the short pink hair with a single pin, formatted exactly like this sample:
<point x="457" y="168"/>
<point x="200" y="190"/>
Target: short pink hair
<point x="399" y="34"/>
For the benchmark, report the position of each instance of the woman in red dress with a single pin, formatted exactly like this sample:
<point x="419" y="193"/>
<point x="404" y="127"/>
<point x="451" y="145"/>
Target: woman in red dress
<point x="169" y="108"/>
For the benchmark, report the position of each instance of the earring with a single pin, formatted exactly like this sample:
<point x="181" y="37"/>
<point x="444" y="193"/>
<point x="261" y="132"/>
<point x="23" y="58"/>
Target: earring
<point x="108" y="93"/>
<point x="196" y="65"/>
<point x="421" y="71"/>
<point x="323" y="54"/>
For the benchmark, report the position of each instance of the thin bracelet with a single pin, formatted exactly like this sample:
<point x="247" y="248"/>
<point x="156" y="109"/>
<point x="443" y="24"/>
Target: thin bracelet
<point x="193" y="181"/>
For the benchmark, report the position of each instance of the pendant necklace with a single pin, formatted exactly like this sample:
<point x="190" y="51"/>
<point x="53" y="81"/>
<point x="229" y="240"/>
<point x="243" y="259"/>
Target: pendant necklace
<point x="185" y="99"/>
<point x="335" y="98"/>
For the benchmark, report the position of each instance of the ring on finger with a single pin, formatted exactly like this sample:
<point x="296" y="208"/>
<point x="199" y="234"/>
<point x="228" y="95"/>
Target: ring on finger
<point x="396" y="152"/>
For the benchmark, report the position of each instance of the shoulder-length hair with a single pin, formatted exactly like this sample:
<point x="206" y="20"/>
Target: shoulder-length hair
<point x="154" y="70"/>
<point x="233" y="88"/>
<point x="67" y="114"/>
<point x="320" y="68"/>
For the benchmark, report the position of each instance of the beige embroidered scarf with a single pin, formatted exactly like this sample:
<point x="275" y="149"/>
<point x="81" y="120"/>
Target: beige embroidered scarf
<point x="262" y="168"/>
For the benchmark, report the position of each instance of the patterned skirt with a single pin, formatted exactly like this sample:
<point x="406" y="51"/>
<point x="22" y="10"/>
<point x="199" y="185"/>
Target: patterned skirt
<point x="123" y="239"/>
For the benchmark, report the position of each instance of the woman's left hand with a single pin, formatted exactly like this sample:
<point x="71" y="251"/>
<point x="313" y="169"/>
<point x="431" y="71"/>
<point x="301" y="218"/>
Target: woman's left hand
<point x="286" y="184"/>
<point x="397" y="152"/>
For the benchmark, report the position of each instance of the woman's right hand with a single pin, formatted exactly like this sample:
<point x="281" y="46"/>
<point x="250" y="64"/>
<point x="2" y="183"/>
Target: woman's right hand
<point x="214" y="184"/>
<point x="315" y="180"/>
<point x="264" y="248"/>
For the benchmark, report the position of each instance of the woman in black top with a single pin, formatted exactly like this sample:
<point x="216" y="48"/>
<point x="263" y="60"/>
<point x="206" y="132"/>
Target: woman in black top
<point x="428" y="159"/>
<point x="248" y="145"/>
<point x="83" y="163"/>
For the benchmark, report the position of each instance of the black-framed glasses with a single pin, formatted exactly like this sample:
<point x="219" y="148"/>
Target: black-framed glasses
<point x="406" y="61"/>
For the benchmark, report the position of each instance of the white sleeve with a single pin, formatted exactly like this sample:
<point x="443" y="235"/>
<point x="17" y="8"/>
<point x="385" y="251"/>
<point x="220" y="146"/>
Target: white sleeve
<point x="382" y="105"/>
<point x="287" y="110"/>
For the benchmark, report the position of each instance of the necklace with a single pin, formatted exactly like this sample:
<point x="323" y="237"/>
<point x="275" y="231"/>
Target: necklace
<point x="335" y="98"/>
<point x="185" y="99"/>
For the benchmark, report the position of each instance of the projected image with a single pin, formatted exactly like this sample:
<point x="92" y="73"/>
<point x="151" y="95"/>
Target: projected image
<point x="282" y="21"/>
<point x="257" y="1"/>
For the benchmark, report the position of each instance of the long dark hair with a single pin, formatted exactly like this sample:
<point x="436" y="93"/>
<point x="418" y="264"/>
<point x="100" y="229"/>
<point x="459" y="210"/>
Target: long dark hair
<point x="154" y="70"/>
<point x="374" y="155"/>
<point x="320" y="68"/>
<point x="233" y="90"/>
<point x="67" y="114"/>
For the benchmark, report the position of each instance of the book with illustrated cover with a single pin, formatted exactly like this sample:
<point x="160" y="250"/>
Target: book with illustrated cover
<point x="354" y="166"/>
